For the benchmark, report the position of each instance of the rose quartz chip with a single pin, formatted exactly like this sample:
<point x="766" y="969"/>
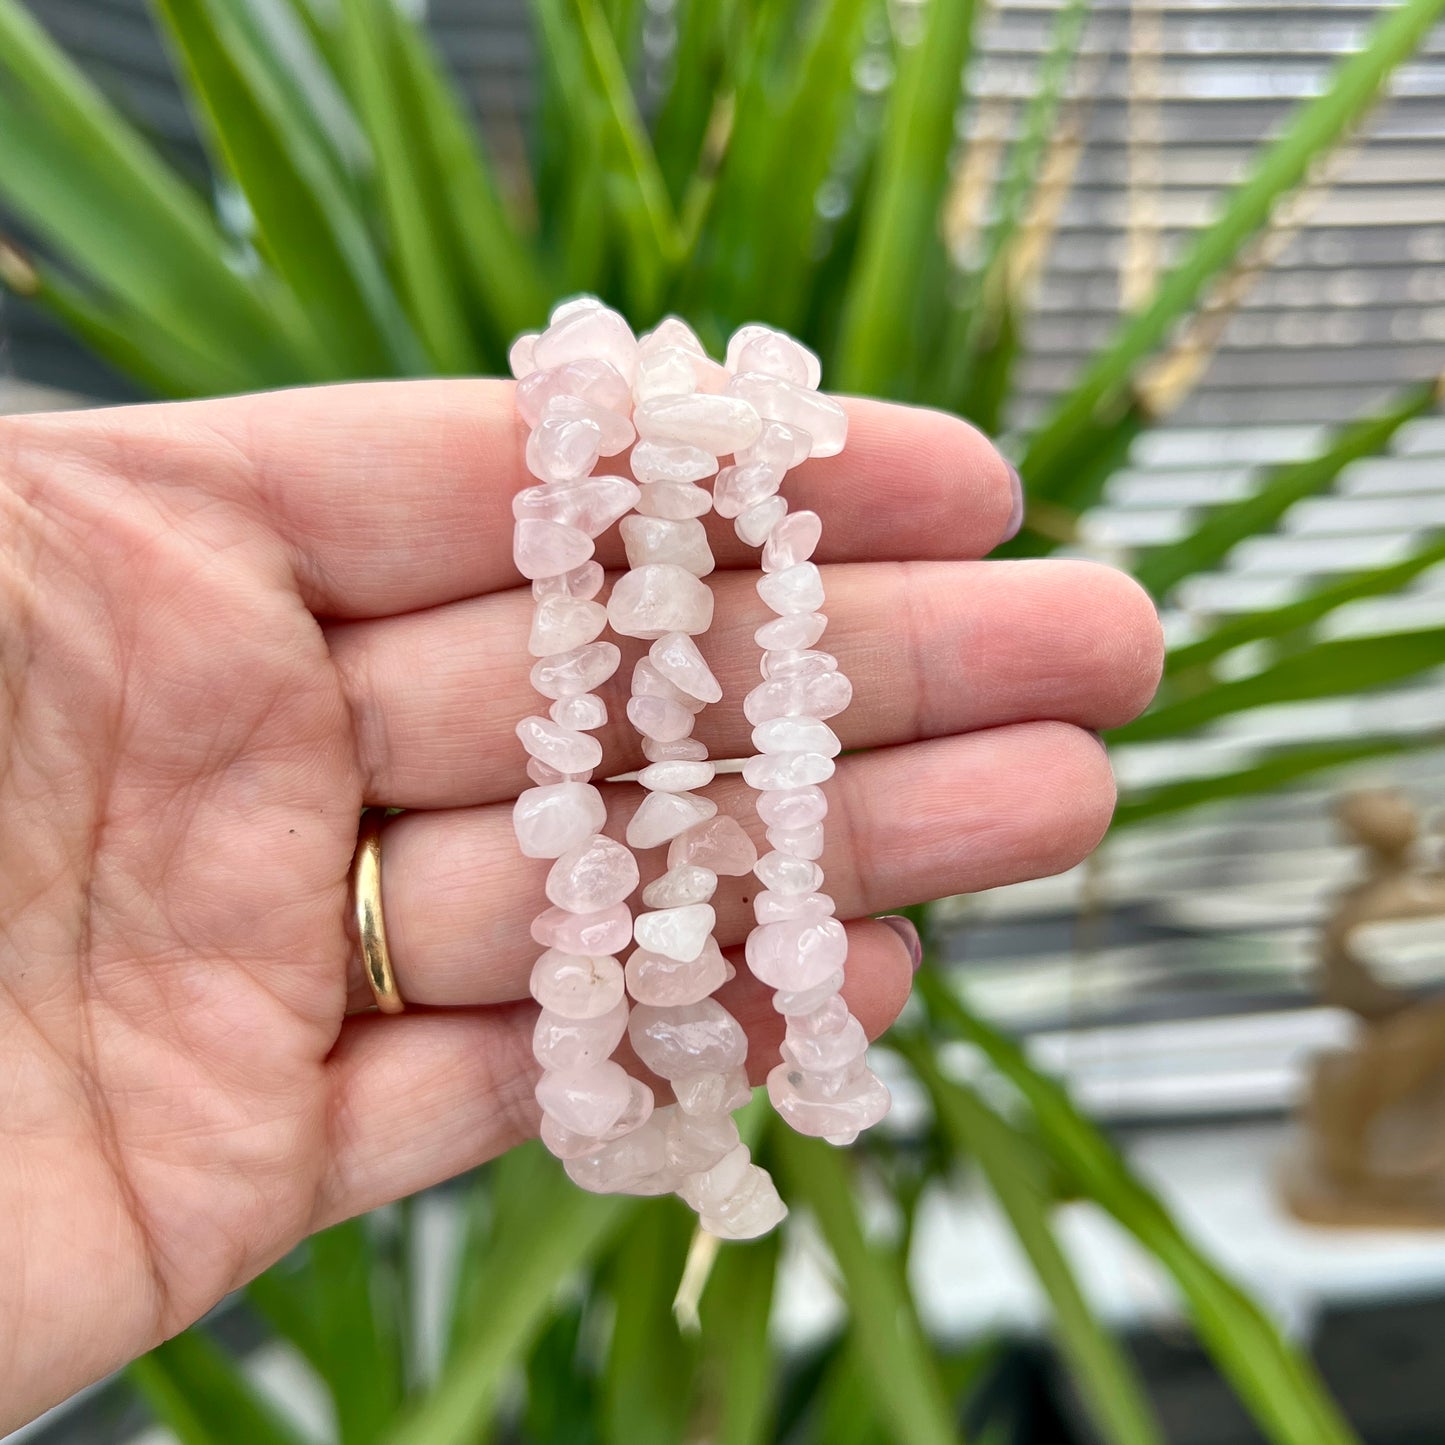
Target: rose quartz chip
<point x="585" y="712"/>
<point x="800" y="842"/>
<point x="686" y="884"/>
<point x="689" y="749"/>
<point x="660" y="718"/>
<point x="549" y="821"/>
<point x="568" y="1044"/>
<point x="666" y="371"/>
<point x="784" y="447"/>
<point x="592" y="380"/>
<point x="584" y="582"/>
<point x="787" y="770"/>
<point x="774" y="353"/>
<point x="749" y="1210"/>
<point x="636" y="1163"/>
<point x="697" y="1144"/>
<point x="584" y="669"/>
<point x="674" y="500"/>
<point x="680" y="933"/>
<point x="798" y="588"/>
<point x="806" y="1000"/>
<point x="720" y="844"/>
<point x="680" y="776"/>
<point x="793" y="540"/>
<point x="777" y="400"/>
<point x="839" y="1117"/>
<point x="823" y="696"/>
<point x="609" y="930"/>
<point x="797" y="662"/>
<point x="740" y="488"/>
<point x="577" y="986"/>
<point x="589" y="1101"/>
<point x="797" y="630"/>
<point x="682" y="542"/>
<point x="675" y="655"/>
<point x="796" y="734"/>
<point x="826" y="1053"/>
<point x="656" y="979"/>
<point x="770" y="907"/>
<point x="797" y="956"/>
<point x="655" y="462"/>
<point x="591" y="504"/>
<point x="522" y="357"/>
<point x="756" y="524"/>
<point x="564" y="448"/>
<point x="560" y="748"/>
<point x="588" y="332"/>
<point x="659" y="598"/>
<point x="593" y="876"/>
<point x="712" y="1093"/>
<point x="693" y="1038"/>
<point x="561" y="623"/>
<point x="548" y="549"/>
<point x="662" y="816"/>
<point x="793" y="808"/>
<point x="717" y="424"/>
<point x="615" y="432"/>
<point x="785" y="874"/>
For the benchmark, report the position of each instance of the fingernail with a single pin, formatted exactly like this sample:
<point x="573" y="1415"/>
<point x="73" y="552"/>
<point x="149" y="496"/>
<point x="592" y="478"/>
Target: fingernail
<point x="904" y="928"/>
<point x="1016" y="517"/>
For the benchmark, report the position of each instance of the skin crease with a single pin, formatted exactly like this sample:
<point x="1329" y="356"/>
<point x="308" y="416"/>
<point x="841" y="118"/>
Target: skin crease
<point x="225" y="626"/>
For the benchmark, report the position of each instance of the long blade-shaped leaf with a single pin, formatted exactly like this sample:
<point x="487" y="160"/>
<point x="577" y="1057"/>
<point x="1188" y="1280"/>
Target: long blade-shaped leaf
<point x="902" y="222"/>
<point x="1313" y="130"/>
<point x="1286" y="765"/>
<point x="306" y="224"/>
<point x="513" y="1294"/>
<point x="380" y="81"/>
<point x="495" y="257"/>
<point x="1275" y="1383"/>
<point x="1336" y="668"/>
<point x="890" y="1342"/>
<point x="203" y="1395"/>
<point x="736" y="1371"/>
<point x="1019" y="1178"/>
<point x="1293" y="617"/>
<point x="95" y="190"/>
<point x="1283" y="486"/>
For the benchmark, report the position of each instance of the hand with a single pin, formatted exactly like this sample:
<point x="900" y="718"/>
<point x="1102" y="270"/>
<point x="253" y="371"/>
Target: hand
<point x="225" y="626"/>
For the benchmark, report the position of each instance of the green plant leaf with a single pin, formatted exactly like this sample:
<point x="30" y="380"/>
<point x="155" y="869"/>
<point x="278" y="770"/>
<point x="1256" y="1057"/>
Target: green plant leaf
<point x="77" y="172"/>
<point x="983" y="322"/>
<point x="1340" y="667"/>
<point x="495" y="257"/>
<point x="1312" y="131"/>
<point x="1020" y="1180"/>
<point x="737" y="1363"/>
<point x="198" y="1391"/>
<point x="1281" y="767"/>
<point x="382" y="80"/>
<point x="1165" y="567"/>
<point x="890" y="1343"/>
<point x="1275" y="1382"/>
<point x="1294" y="617"/>
<point x="306" y="223"/>
<point x="882" y="307"/>
<point x="647" y="1381"/>
<point x="539" y="1244"/>
<point x="328" y="1300"/>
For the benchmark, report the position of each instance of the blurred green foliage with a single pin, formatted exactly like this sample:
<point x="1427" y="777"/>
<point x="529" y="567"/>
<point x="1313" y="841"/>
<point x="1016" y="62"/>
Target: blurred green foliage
<point x="380" y="238"/>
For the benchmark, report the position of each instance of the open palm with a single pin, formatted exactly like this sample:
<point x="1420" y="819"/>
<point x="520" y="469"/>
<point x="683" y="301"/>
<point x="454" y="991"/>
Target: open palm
<point x="226" y="626"/>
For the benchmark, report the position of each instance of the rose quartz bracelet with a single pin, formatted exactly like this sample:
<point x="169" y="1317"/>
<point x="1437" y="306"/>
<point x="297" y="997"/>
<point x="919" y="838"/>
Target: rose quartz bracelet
<point x="584" y="383"/>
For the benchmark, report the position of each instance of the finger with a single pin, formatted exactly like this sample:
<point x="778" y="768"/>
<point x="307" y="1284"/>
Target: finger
<point x="905" y="825"/>
<point x="397" y="495"/>
<point x="932" y="649"/>
<point x="421" y="1097"/>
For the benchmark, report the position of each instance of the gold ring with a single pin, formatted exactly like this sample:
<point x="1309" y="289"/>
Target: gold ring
<point x="370" y="927"/>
